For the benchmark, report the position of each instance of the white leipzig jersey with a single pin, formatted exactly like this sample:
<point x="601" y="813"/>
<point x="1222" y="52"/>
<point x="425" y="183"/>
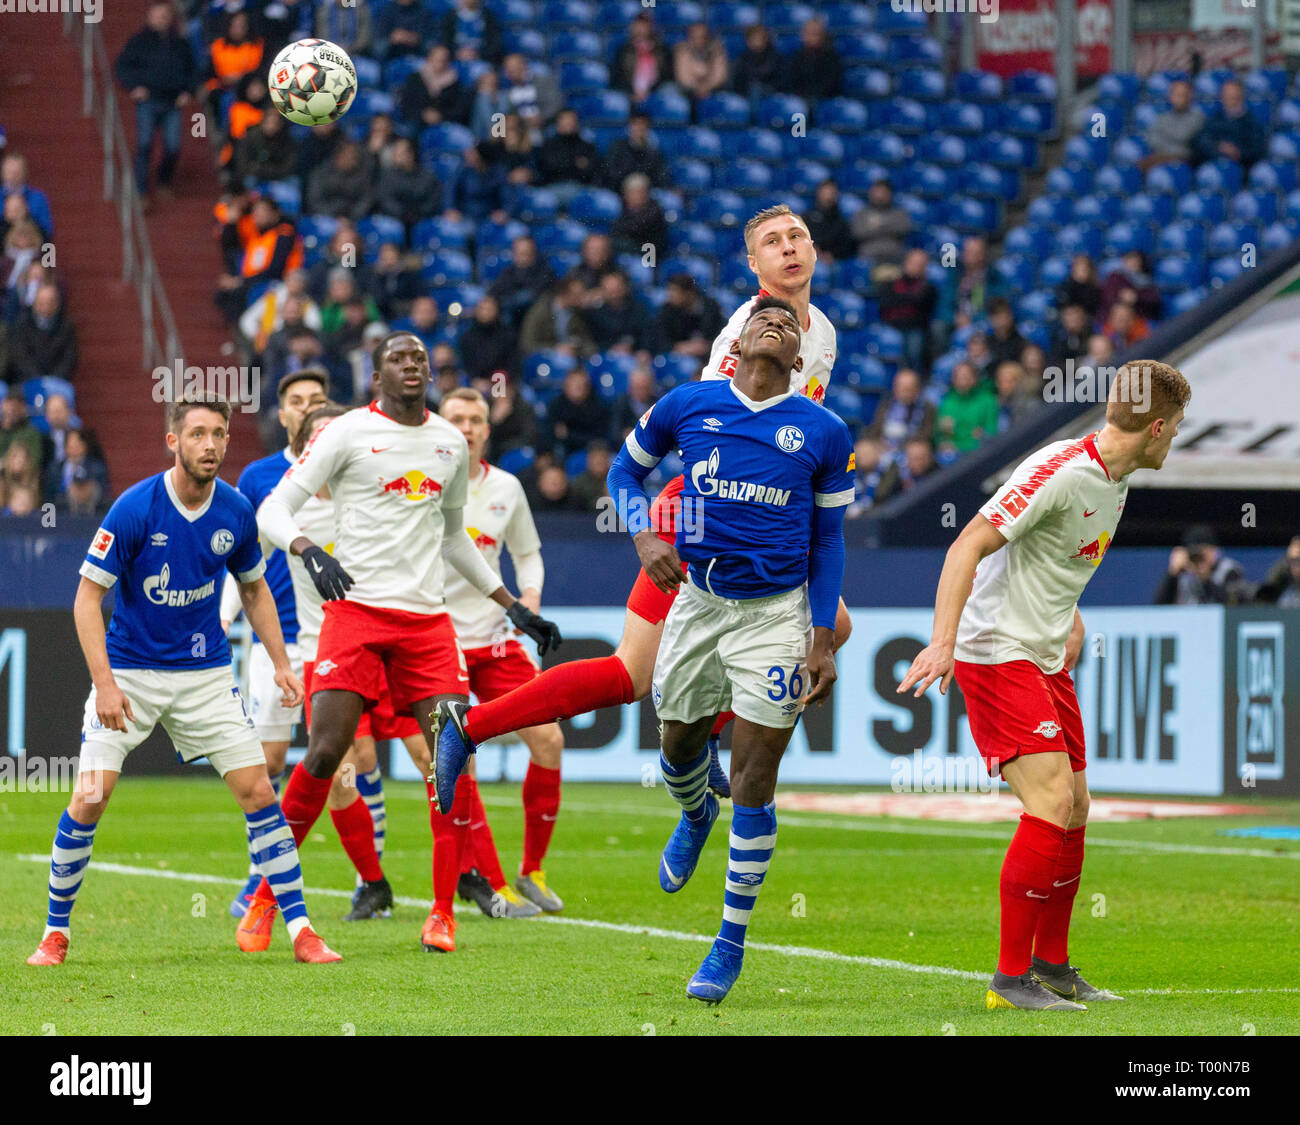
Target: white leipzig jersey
<point x="1058" y="513"/>
<point x="817" y="348"/>
<point x="316" y="518"/>
<point x="496" y="516"/>
<point x="390" y="483"/>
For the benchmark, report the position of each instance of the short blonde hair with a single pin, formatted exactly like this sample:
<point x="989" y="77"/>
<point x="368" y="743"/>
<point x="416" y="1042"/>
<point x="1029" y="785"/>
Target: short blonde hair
<point x="773" y="212"/>
<point x="467" y="394"/>
<point x="1144" y="390"/>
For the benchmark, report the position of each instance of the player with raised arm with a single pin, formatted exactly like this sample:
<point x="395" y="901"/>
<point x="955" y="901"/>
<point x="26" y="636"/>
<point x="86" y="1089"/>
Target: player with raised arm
<point x="1007" y="625"/>
<point x="164" y="545"/>
<point x="298" y="392"/>
<point x="782" y="255"/>
<point x="497" y="517"/>
<point x="399" y="478"/>
<point x="754" y="623"/>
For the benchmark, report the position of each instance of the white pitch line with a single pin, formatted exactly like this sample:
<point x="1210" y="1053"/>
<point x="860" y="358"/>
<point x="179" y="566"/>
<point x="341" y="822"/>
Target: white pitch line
<point x="654" y="931"/>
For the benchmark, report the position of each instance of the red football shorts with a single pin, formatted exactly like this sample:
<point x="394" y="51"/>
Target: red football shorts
<point x="378" y="722"/>
<point x="414" y="655"/>
<point x="497" y="669"/>
<point x="646" y="600"/>
<point x="1016" y="708"/>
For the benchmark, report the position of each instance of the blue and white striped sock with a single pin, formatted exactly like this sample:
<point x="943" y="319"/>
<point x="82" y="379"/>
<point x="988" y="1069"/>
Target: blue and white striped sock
<point x="277" y="780"/>
<point x="68" y="859"/>
<point x="753" y="839"/>
<point x="689" y="783"/>
<point x="371" y="787"/>
<point x="270" y="843"/>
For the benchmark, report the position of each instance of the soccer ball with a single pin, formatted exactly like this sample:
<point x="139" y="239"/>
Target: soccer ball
<point x="312" y="82"/>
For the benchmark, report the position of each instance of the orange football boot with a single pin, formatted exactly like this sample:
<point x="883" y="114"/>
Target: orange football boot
<point x="253" y="935"/>
<point x="439" y="933"/>
<point x="52" y="950"/>
<point x="310" y="949"/>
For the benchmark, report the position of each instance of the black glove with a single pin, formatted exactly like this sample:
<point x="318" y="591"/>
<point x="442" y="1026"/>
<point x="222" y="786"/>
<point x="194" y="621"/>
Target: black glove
<point x="545" y="633"/>
<point x="330" y="578"/>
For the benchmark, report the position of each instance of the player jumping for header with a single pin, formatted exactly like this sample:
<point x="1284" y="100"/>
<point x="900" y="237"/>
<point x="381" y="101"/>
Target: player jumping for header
<point x="165" y="545"/>
<point x="1007" y="624"/>
<point x="754" y="623"/>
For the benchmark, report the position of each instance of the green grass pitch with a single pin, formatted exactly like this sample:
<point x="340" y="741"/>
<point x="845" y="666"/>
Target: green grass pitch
<point x="865" y="926"/>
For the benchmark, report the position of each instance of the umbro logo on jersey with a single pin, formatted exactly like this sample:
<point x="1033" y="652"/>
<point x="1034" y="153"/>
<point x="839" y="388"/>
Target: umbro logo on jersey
<point x="324" y="668"/>
<point x="158" y="539"/>
<point x="1048" y="729"/>
<point x="712" y="424"/>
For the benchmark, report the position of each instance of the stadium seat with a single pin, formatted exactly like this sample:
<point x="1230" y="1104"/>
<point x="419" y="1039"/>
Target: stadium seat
<point x="38" y="389"/>
<point x="943" y="148"/>
<point x="1202" y="207"/>
<point x="764" y="144"/>
<point x="368" y="103"/>
<point x="1185" y="238"/>
<point x="517" y="460"/>
<point x="562" y="234"/>
<point x="1025" y="120"/>
<point x="927" y="180"/>
<point x="1219" y="175"/>
<point x="438" y="233"/>
<point x="596" y="208"/>
<point x="537" y="205"/>
<point x="1028" y="240"/>
<point x="903" y="115"/>
<point x="1293" y="205"/>
<point x="471" y="70"/>
<point x="1015" y="272"/>
<point x="601" y="108"/>
<point x="1169" y="179"/>
<point x="1284" y="147"/>
<point x="1087" y="149"/>
<point x="917" y="50"/>
<point x="863" y="371"/>
<point x="844" y="308"/>
<point x="1231" y="238"/>
<point x="1147" y="208"/>
<point x="316" y="231"/>
<point x="1004" y="151"/>
<point x="733" y="17"/>
<point x="447" y="137"/>
<point x="845" y="402"/>
<point x="525" y="41"/>
<point x="287" y="193"/>
<point x="921" y="84"/>
<point x="514" y="12"/>
<point x="1118" y="179"/>
<point x="556" y="15"/>
<point x="1255" y="206"/>
<point x="1129" y="150"/>
<point x="667" y="106"/>
<point x="446" y="267"/>
<point x="861" y="48"/>
<point x="672" y="369"/>
<point x="700" y="143"/>
<point x="866" y="83"/>
<point x="639" y="273"/>
<point x="1054" y="270"/>
<point x="369" y="73"/>
<point x="1274" y="176"/>
<point x="805" y="176"/>
<point x="375" y="230"/>
<point x="993" y="183"/>
<point x="614" y="16"/>
<point x="1179" y="303"/>
<point x="718" y="206"/>
<point x="1178" y="272"/>
<point x="672" y="203"/>
<point x="779" y="111"/>
<point x="1122" y="237"/>
<point x="490" y="264"/>
<point x="396" y="71"/>
<point x="1279" y="234"/>
<point x="691" y="175"/>
<point x="1078" y="238"/>
<point x="562" y="261"/>
<point x="1225" y="269"/>
<point x="1039" y="305"/>
<point x="1099" y="208"/>
<point x="701" y="269"/>
<point x="547" y="367"/>
<point x="977" y="85"/>
<point x="694" y="238"/>
<point x="748" y="177"/>
<point x="723" y="111"/>
<point x="1033" y="85"/>
<point x="582" y="77"/>
<point x="1069" y="179"/>
<point x="823" y="147"/>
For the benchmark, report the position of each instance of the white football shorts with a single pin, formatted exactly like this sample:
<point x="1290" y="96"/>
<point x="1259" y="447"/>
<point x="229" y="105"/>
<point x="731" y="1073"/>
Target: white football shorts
<point x="200" y="709"/>
<point x="743" y="655"/>
<point x="274" y="722"/>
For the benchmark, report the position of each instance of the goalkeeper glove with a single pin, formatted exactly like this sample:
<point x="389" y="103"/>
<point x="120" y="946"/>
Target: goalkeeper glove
<point x="329" y="577"/>
<point x="544" y="632"/>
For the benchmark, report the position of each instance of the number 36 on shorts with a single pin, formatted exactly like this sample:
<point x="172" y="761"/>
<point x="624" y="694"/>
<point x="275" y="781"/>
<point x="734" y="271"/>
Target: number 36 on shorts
<point x="781" y="685"/>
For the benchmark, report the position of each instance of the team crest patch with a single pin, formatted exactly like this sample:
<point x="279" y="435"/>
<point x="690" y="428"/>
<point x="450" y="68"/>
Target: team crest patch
<point x="1047" y="728"/>
<point x="222" y="540"/>
<point x="853" y="462"/>
<point x="443" y="453"/>
<point x="789" y="438"/>
<point x="646" y="416"/>
<point x="656" y="694"/>
<point x="101" y="543"/>
<point x="324" y="668"/>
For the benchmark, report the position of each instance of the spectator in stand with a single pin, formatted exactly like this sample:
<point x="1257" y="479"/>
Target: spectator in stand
<point x="281" y="22"/>
<point x="556" y="320"/>
<point x="1070" y="335"/>
<point x="534" y="96"/>
<point x="477" y="191"/>
<point x="551" y="493"/>
<point x="759" y="68"/>
<point x="566" y="160"/>
<point x="22" y="248"/>
<point x="267" y="151"/>
<point x="689" y="319"/>
<point x="447" y="373"/>
<point x="826" y="223"/>
<point x="252" y="103"/>
<point x="305" y="348"/>
<point x="619" y="322"/>
<point x="15" y="211"/>
<point x="870" y="468"/>
<point x="405" y="190"/>
<point x="1100" y="352"/>
<point x="44" y="340"/>
<point x="522" y="282"/>
<point x="4" y="353"/>
<point x="343" y="252"/>
<point x="1132" y="284"/>
<point x="636" y="152"/>
<point x="1170" y="135"/>
<point x="157" y="67"/>
<point x="258" y="245"/>
<point x="1081" y="287"/>
<point x="907" y="303"/>
<point x="341" y="188"/>
<point x="235" y="53"/>
<point x="489" y="107"/>
<point x="642" y="222"/>
<point x="13" y="182"/>
<point x="916" y="463"/>
<point x="1282" y="585"/>
<point x="471" y="31"/>
<point x="1034" y="360"/>
<point x="16" y="429"/>
<point x="577" y="416"/>
<point x="700" y="62"/>
<point x="516" y="152"/>
<point x="84" y="495"/>
<point x="56" y="423"/>
<point x="1018" y="395"/>
<point x="19" y="469"/>
<point x="1006" y="342"/>
<point x="423" y="321"/>
<point x="318" y="146"/>
<point x="513" y="419"/>
<point x="81" y="456"/>
<point x="1200" y="574"/>
<point x="394" y="282"/>
<point x="595" y="263"/>
<point x="405" y="27"/>
<point x="275" y="355"/>
<point x="346" y="342"/>
<point x="968" y="288"/>
<point x="434" y="92"/>
<point x="487" y="345"/>
<point x="980" y="356"/>
<point x="1125" y="328"/>
<point x="348" y="25"/>
<point x="880" y="227"/>
<point x="641" y="63"/>
<point x="377" y="149"/>
<point x="902" y="414"/>
<point x="22" y="500"/>
<point x="1232" y="131"/>
<point x="589" y="486"/>
<point x="265" y="316"/>
<point x="641" y="394"/>
<point x="815" y="70"/>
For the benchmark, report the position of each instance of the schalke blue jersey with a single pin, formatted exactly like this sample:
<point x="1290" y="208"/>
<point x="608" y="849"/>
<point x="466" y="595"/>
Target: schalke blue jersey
<point x="168" y="564"/>
<point x="754" y="473"/>
<point x="256" y="482"/>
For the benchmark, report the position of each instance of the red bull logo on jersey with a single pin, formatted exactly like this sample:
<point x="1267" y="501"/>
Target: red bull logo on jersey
<point x="481" y="541"/>
<point x="413" y="485"/>
<point x="705" y="479"/>
<point x="1095" y="551"/>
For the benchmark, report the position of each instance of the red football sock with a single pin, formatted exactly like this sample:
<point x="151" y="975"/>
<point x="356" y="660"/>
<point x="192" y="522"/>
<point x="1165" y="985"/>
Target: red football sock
<point x="357" y="834"/>
<point x="541" y="806"/>
<point x="1052" y="937"/>
<point x="558" y="693"/>
<point x="1026" y="884"/>
<point x="723" y="719"/>
<point x="449" y="841"/>
<point x="482" y="849"/>
<point x="301" y="802"/>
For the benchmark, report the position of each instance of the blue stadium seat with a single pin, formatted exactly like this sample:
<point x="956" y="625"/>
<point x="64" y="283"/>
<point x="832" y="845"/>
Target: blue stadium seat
<point x="287" y="193"/>
<point x="1185" y="238"/>
<point x="1016" y="273"/>
<point x="977" y="85"/>
<point x="562" y="261"/>
<point x="1118" y="87"/>
<point x="317" y="229"/>
<point x="1033" y="85"/>
<point x="943" y="148"/>
<point x="562" y="234"/>
<point x="928" y="180"/>
<point x="396" y="71"/>
<point x="679" y="15"/>
<point x="1118" y="179"/>
<point x="718" y="206"/>
<point x="691" y="175"/>
<point x="1269" y="83"/>
<point x="457" y="300"/>
<point x="1122" y="237"/>
<point x="1274" y="176"/>
<point x="447" y="137"/>
<point x="547" y="368"/>
<point x="885" y="343"/>
<point x="826" y="148"/>
<point x="762" y="144"/>
<point x="514" y="13"/>
<point x="992" y="183"/>
<point x="525" y="41"/>
<point x="1100" y="208"/>
<point x="609" y="374"/>
<point x="1277" y="235"/>
<point x="672" y="203"/>
<point x="723" y="111"/>
<point x="701" y="269"/>
<point x="596" y="208"/>
<point x="672" y="369"/>
<point x="600" y="108"/>
<point x="748" y="177"/>
<point x="490" y="264"/>
<point x="866" y="83"/>
<point x="778" y="111"/>
<point x="1069" y="179"/>
<point x="667" y="106"/>
<point x="575" y="464"/>
<point x="582" y="77"/>
<point x="844" y="308"/>
<point x="916" y="207"/>
<point x="614" y="16"/>
<point x="1170" y="179"/>
<point x="919" y="83"/>
<point x="1202" y="207"/>
<point x="641" y="275"/>
<point x="733" y="17"/>
<point x="903" y="115"/>
<point x="1025" y="120"/>
<point x="863" y="371"/>
<point x="1293" y="205"/>
<point x="367" y="103"/>
<point x="369" y="73"/>
<point x="1288" y="114"/>
<point x="1224" y="270"/>
<point x="784" y="17"/>
<point x="845" y="402"/>
<point x="855" y="274"/>
<point x="805" y="176"/>
<point x="1283" y="147"/>
<point x="1179" y="303"/>
<point x="1003" y="151"/>
<point x="1255" y="206"/>
<point x="1029" y="241"/>
<point x="1231" y="238"/>
<point x="861" y="48"/>
<point x="700" y="143"/>
<point x="859" y="177"/>
<point x="471" y="70"/>
<point x="1050" y="210"/>
<point x="1262" y="110"/>
<point x="735" y="275"/>
<point x="1039" y="305"/>
<point x="375" y="230"/>
<point x="1178" y="272"/>
<point x="882" y="148"/>
<point x="537" y="205"/>
<point x="446" y="267"/>
<point x="1087" y="149"/>
<point x="559" y="14"/>
<point x="1158" y="209"/>
<point x="517" y="460"/>
<point x="437" y="233"/>
<point x="1129" y="150"/>
<point x="38" y="389"/>
<point x="917" y="50"/>
<point x="1219" y="175"/>
<point x="1077" y="238"/>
